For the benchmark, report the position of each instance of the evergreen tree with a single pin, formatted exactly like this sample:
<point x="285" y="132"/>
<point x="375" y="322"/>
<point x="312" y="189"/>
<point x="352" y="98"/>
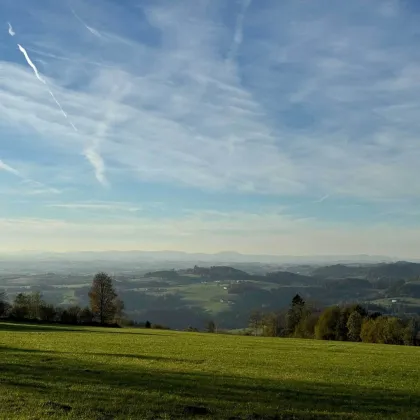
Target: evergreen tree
<point x="211" y="327"/>
<point x="3" y="304"/>
<point x="295" y="314"/>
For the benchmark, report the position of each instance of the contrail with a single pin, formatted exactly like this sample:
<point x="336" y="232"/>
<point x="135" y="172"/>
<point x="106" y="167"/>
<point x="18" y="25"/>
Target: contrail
<point x="11" y="31"/>
<point x="61" y="109"/>
<point x="60" y="57"/>
<point x="38" y="76"/>
<point x="89" y="28"/>
<point x="37" y="187"/>
<point x="29" y="61"/>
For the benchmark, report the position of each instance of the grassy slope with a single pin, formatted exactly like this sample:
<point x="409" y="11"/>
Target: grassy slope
<point x="56" y="372"/>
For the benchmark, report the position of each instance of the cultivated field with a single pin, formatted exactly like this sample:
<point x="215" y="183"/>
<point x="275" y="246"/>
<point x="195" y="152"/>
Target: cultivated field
<point x="87" y="373"/>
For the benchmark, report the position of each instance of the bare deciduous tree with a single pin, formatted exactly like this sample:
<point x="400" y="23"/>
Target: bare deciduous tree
<point x="103" y="297"/>
<point x="255" y="322"/>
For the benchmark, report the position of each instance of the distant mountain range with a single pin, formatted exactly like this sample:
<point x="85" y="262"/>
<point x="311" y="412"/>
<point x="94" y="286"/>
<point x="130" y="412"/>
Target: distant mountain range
<point x="167" y="256"/>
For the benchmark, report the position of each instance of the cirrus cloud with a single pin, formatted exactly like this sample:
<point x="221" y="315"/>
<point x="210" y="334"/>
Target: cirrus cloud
<point x="319" y="102"/>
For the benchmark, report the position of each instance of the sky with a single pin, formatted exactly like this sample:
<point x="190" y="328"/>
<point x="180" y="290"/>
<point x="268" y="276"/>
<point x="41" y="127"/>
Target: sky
<point x="261" y="126"/>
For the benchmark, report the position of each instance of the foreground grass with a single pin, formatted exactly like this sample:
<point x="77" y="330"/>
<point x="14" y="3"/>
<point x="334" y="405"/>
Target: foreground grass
<point x="92" y="373"/>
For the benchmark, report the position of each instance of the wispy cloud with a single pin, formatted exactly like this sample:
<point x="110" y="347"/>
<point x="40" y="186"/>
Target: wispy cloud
<point x="11" y="31"/>
<point x="161" y="129"/>
<point x="92" y="151"/>
<point x="38" y="188"/>
<point x="316" y="103"/>
<point x="323" y="198"/>
<point x="94" y="206"/>
<point x="8" y="168"/>
<point x="43" y="191"/>
<point x="92" y="155"/>
<point x="238" y="32"/>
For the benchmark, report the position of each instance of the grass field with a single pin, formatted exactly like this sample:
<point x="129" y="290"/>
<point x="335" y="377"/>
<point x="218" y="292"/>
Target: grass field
<point x="86" y="373"/>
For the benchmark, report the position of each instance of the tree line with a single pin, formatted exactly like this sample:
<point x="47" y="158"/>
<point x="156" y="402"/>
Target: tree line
<point x="300" y="320"/>
<point x="340" y="323"/>
<point x="105" y="308"/>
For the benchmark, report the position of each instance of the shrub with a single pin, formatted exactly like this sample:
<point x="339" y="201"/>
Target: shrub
<point x="354" y="326"/>
<point x="326" y="327"/>
<point x="191" y="329"/>
<point x="384" y="330"/>
<point x="368" y="331"/>
<point x="159" y="327"/>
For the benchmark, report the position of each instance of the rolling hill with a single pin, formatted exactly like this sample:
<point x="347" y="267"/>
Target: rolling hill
<point x="92" y="373"/>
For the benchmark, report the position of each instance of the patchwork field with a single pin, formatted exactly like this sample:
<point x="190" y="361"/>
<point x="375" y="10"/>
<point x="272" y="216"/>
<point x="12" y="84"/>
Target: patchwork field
<point x="91" y="373"/>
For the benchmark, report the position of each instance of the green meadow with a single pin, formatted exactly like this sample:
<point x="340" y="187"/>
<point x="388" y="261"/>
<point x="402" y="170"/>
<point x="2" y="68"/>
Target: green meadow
<point x="54" y="372"/>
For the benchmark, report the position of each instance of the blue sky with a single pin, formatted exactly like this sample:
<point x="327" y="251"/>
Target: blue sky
<point x="281" y="127"/>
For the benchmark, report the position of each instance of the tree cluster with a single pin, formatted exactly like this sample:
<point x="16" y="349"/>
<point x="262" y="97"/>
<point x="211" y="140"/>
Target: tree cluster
<point x="345" y="323"/>
<point x="105" y="307"/>
<point x="32" y="307"/>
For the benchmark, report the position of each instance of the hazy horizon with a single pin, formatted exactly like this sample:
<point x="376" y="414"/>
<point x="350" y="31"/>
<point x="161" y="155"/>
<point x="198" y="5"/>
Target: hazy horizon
<point x="182" y="256"/>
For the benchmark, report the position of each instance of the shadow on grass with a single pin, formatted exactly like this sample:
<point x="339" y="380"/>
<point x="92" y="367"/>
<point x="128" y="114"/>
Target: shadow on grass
<point x="6" y="326"/>
<point x="97" y="329"/>
<point x="129" y="391"/>
<point x="7" y="349"/>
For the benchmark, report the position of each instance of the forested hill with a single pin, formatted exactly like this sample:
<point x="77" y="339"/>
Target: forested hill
<point x="215" y="272"/>
<point x="342" y="271"/>
<point x="398" y="270"/>
<point x="288" y="278"/>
